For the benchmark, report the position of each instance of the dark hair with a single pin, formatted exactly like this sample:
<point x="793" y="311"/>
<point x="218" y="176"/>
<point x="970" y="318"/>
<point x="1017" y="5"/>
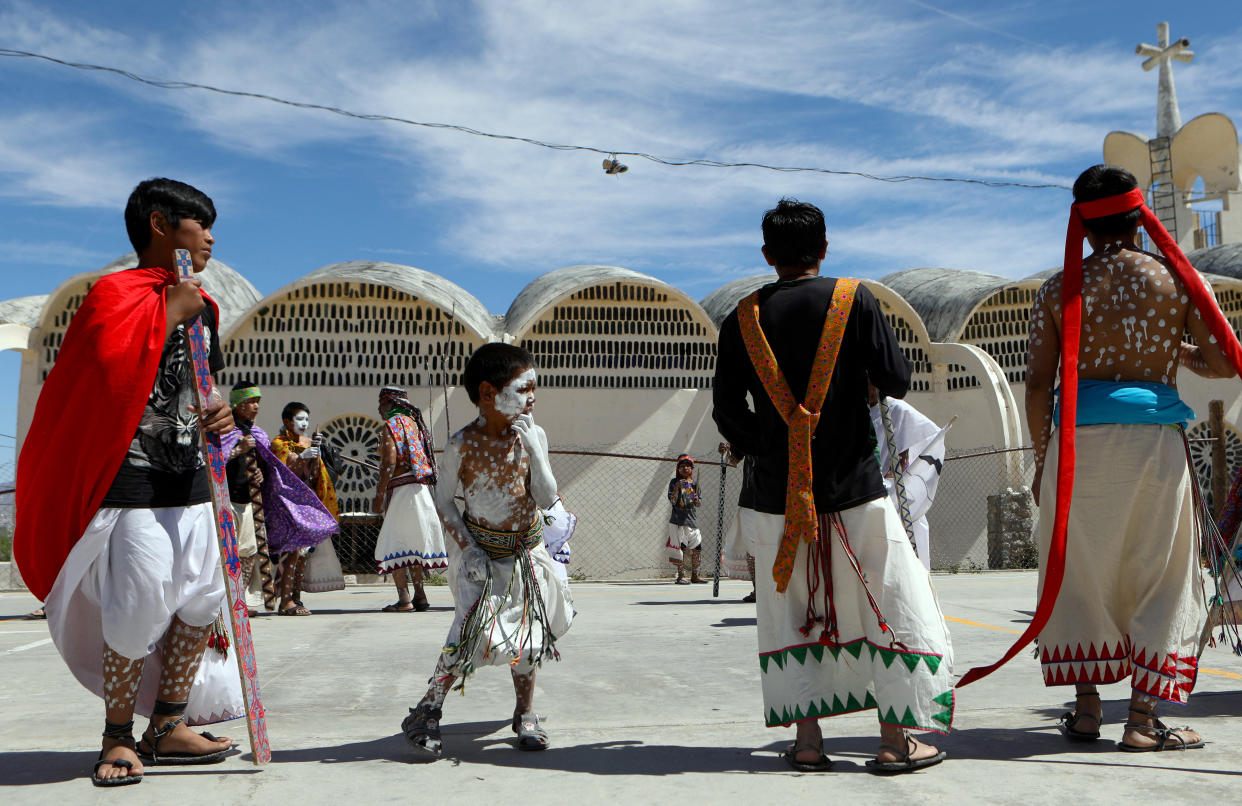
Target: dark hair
<point x="244" y="383"/>
<point x="1100" y="182"/>
<point x="176" y="200"/>
<point x="793" y="234"/>
<point x="291" y="409"/>
<point x="495" y="363"/>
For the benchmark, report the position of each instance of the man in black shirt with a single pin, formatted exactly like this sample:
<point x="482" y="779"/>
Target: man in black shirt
<point x="841" y="594"/>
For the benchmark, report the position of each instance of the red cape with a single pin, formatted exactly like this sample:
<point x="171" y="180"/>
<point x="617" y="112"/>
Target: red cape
<point x="86" y="417"/>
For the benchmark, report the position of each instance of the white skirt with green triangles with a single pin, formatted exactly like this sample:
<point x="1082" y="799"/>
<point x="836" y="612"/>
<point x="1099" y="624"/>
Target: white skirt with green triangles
<point x="904" y="672"/>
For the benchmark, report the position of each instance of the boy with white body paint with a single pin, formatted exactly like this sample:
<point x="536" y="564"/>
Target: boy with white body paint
<point x="512" y="603"/>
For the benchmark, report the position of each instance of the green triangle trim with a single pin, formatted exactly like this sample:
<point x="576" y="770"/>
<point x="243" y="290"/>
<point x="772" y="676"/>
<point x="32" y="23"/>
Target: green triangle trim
<point x="798" y="713"/>
<point x="817" y="652"/>
<point x="779" y="658"/>
<point x="911" y="661"/>
<point x="872" y="650"/>
<point x="773" y="718"/>
<point x="869" y="700"/>
<point x="888" y="655"/>
<point x="799" y="653"/>
<point x="933" y="663"/>
<point x="763" y="663"/>
<point x="854" y="648"/>
<point x="945" y="699"/>
<point x="944" y="717"/>
<point x="824" y="708"/>
<point x="852" y="703"/>
<point x="908" y="720"/>
<point x="835" y="650"/>
<point x="837" y="705"/>
<point x="890" y="717"/>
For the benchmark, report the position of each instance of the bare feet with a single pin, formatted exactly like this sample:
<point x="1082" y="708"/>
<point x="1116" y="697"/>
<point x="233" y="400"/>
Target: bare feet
<point x="120" y="749"/>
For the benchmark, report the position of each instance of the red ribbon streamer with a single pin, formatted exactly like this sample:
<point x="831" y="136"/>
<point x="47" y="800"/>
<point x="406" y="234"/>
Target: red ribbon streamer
<point x="1071" y="325"/>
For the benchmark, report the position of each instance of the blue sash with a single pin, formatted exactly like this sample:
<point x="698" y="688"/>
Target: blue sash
<point x="1101" y="402"/>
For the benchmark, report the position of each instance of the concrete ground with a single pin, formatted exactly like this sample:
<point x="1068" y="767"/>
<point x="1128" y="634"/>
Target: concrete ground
<point x="656" y="701"/>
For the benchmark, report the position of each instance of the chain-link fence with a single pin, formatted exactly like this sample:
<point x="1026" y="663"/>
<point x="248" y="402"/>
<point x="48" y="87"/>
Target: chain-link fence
<point x="622" y="507"/>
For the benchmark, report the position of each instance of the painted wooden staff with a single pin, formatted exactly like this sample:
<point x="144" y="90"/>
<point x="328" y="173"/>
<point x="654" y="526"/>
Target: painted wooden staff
<point x="235" y="595"/>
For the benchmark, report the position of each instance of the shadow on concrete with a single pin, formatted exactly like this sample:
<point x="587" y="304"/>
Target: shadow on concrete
<point x="34" y="767"/>
<point x="1116" y="710"/>
<point x="674" y="602"/>
<point x="736" y="622"/>
<point x="315" y="611"/>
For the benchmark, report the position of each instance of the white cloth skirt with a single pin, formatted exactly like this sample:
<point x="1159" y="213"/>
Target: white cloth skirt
<point x="411" y="534"/>
<point x="509" y="639"/>
<point x="1132" y="605"/>
<point x="323" y="569"/>
<point x="132" y="571"/>
<point x="905" y="672"/>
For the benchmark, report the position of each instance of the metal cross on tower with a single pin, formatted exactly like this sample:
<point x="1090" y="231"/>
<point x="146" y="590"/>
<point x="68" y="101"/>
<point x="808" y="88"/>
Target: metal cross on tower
<point x="1168" y="122"/>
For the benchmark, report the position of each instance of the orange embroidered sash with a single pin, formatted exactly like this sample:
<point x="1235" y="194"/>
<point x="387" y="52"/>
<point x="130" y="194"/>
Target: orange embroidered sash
<point x="800" y="418"/>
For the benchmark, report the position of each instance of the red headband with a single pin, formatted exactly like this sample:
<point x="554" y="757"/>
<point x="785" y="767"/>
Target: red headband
<point x="1071" y="327"/>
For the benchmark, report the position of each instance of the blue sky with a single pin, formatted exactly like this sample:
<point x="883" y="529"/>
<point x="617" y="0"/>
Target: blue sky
<point x="1020" y="91"/>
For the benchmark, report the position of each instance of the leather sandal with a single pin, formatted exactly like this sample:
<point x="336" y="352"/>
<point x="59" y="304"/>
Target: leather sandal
<point x="124" y="733"/>
<point x="821" y="764"/>
<point x="422" y="732"/>
<point x="1162" y="733"/>
<point x="531" y="735"/>
<point x="151" y="755"/>
<point x="1071" y="719"/>
<point x="904" y="763"/>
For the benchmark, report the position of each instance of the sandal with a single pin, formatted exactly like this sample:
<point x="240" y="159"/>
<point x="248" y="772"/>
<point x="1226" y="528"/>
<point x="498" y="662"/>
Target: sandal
<point x="905" y="763"/>
<point x="122" y="732"/>
<point x="749" y="598"/>
<point x="821" y="764"/>
<point x="295" y="610"/>
<point x="531" y="735"/>
<point x="1162" y="733"/>
<point x="154" y="758"/>
<point x="399" y="607"/>
<point x="422" y="732"/>
<point x="421" y="604"/>
<point x="1070" y="720"/>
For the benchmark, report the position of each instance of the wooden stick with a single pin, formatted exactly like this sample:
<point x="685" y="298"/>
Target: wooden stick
<point x="235" y="595"/>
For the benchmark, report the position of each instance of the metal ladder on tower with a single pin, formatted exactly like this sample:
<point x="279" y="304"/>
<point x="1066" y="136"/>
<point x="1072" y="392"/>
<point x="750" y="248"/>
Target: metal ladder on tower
<point x="1163" y="192"/>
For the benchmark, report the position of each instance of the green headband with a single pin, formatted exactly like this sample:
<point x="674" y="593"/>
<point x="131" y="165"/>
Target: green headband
<point x="241" y="395"/>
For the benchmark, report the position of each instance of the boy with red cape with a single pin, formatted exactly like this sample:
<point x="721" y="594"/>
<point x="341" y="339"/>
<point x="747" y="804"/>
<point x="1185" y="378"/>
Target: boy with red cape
<point x="123" y="548"/>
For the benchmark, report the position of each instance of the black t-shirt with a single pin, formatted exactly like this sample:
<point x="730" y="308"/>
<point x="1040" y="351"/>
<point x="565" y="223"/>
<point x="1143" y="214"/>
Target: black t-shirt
<point x="845" y="471"/>
<point x="164" y="466"/>
<point x="683" y="508"/>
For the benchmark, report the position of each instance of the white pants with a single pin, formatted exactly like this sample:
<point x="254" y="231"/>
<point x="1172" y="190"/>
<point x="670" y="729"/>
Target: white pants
<point x="122" y="584"/>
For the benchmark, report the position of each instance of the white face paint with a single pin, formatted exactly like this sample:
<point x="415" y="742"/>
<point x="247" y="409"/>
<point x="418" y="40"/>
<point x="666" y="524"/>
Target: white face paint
<point x="517" y="395"/>
<point x="301" y="422"/>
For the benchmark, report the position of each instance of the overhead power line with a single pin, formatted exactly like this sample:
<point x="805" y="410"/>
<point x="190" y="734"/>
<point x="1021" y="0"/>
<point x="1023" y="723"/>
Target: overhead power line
<point x="608" y="152"/>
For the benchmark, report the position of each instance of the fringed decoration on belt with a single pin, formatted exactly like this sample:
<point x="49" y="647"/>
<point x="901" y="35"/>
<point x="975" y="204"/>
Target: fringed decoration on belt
<point x="480" y="622"/>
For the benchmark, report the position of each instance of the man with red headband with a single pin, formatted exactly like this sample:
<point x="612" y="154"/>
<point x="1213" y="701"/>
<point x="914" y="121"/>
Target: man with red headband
<point x="1125" y="557"/>
<point x="123" y="550"/>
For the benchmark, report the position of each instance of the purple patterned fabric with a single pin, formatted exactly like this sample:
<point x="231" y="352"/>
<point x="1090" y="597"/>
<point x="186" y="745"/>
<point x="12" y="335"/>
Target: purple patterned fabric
<point x="295" y="517"/>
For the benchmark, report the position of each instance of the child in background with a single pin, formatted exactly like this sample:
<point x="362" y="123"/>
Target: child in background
<point x="683" y="526"/>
